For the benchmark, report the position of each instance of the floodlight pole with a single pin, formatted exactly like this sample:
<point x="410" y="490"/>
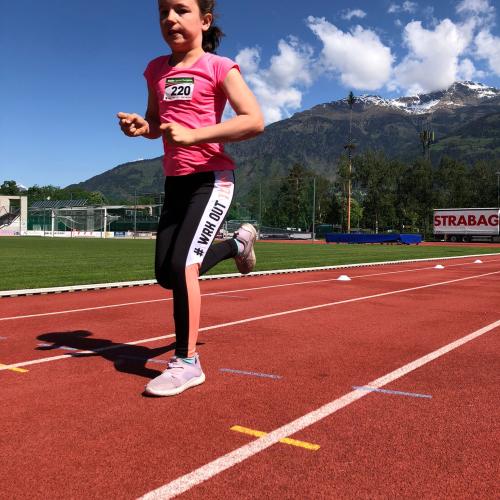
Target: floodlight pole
<point x="350" y="101"/>
<point x="260" y="208"/>
<point x="21" y="217"/>
<point x="314" y="210"/>
<point x="498" y="189"/>
<point x="135" y="212"/>
<point x="349" y="189"/>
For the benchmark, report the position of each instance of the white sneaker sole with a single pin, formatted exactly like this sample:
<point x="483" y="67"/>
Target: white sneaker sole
<point x="250" y="260"/>
<point x="177" y="390"/>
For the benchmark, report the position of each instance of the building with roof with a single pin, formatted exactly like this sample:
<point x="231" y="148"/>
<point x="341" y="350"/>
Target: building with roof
<point x="13" y="215"/>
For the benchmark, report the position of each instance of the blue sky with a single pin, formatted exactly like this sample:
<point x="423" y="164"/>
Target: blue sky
<point x="67" y="68"/>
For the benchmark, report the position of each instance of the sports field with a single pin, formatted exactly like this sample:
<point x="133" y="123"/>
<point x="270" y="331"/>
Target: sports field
<point x="383" y="386"/>
<point x="51" y="262"/>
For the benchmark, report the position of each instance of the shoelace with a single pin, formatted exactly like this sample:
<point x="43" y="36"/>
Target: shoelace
<point x="174" y="364"/>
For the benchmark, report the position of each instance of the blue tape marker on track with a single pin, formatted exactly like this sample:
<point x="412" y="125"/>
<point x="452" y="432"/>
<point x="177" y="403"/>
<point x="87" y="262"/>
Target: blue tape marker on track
<point x="252" y="374"/>
<point x="397" y="393"/>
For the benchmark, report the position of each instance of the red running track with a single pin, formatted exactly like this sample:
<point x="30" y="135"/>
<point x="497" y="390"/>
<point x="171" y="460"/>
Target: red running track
<point x="77" y="425"/>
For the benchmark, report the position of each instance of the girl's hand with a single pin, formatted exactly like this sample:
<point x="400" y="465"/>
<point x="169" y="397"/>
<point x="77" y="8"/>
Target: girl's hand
<point x="177" y="135"/>
<point x="133" y="125"/>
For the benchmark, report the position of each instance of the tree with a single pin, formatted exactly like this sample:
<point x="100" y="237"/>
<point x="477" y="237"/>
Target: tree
<point x="334" y="214"/>
<point x="324" y="199"/>
<point x="10" y="188"/>
<point x="417" y="196"/>
<point x="291" y="203"/>
<point x="39" y="193"/>
<point x="356" y="212"/>
<point x="481" y="182"/>
<point x="450" y="185"/>
<point x="341" y="187"/>
<point x="378" y="177"/>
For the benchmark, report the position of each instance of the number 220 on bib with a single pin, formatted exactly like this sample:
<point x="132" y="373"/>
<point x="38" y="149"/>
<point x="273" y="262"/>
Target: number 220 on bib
<point x="179" y="89"/>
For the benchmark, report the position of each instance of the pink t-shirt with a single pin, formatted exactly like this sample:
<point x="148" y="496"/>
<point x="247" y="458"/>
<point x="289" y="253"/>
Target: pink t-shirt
<point x="192" y="97"/>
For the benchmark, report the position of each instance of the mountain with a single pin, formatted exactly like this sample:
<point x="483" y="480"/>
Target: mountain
<point x="122" y="182"/>
<point x="460" y="94"/>
<point x="464" y="117"/>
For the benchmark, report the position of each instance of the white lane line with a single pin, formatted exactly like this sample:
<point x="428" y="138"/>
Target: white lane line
<point x="84" y="353"/>
<point x="151" y="301"/>
<point x="231" y="296"/>
<point x="83" y="309"/>
<point x="248" y="320"/>
<point x="211" y="469"/>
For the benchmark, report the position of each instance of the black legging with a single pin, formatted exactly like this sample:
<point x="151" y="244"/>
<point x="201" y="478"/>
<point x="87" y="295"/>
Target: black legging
<point x="195" y="207"/>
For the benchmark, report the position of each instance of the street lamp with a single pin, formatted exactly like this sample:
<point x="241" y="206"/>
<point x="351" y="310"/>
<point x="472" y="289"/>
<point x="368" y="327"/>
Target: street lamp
<point x="350" y="146"/>
<point x="498" y="190"/>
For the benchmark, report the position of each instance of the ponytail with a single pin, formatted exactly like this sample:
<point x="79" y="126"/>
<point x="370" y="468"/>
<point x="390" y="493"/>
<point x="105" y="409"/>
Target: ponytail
<point x="212" y="37"/>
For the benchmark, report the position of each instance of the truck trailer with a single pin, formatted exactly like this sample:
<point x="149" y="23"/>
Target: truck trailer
<point x="467" y="224"/>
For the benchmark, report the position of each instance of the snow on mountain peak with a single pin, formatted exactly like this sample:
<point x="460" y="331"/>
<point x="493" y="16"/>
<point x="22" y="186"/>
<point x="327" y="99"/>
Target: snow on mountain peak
<point x="457" y="95"/>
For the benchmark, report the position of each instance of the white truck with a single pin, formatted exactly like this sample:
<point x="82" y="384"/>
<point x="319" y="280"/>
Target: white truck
<point x="467" y="224"/>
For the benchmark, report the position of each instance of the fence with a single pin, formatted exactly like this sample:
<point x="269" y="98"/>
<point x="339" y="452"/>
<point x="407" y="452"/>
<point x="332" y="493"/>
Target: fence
<point x="106" y="219"/>
<point x="287" y="208"/>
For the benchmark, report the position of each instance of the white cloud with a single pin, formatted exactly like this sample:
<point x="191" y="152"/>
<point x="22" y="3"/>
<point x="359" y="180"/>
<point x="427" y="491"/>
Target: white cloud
<point x="291" y="65"/>
<point x="278" y="88"/>
<point x="410" y="6"/>
<point x="434" y="56"/>
<point x="349" y="14"/>
<point x="480" y="15"/>
<point x="467" y="70"/>
<point x="475" y="6"/>
<point x="249" y="59"/>
<point x="428" y="11"/>
<point x="488" y="47"/>
<point x="477" y="12"/>
<point x="359" y="57"/>
<point x="395" y="8"/>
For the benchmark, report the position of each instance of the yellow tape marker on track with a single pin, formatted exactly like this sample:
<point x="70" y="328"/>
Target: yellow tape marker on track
<point x="293" y="442"/>
<point x="18" y="370"/>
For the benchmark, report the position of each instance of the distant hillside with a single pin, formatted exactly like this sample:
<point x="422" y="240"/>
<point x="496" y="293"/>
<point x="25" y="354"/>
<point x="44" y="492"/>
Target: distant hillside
<point x="120" y="183"/>
<point x="478" y="139"/>
<point x="465" y="118"/>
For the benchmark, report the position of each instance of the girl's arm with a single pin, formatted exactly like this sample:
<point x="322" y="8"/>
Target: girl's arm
<point x="153" y="115"/>
<point x="134" y="125"/>
<point x="247" y="123"/>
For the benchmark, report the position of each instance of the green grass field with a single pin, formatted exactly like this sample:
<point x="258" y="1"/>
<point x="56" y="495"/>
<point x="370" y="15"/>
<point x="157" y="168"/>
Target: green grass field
<point x="30" y="262"/>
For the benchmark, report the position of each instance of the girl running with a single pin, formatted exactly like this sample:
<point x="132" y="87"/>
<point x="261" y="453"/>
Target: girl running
<point x="188" y="91"/>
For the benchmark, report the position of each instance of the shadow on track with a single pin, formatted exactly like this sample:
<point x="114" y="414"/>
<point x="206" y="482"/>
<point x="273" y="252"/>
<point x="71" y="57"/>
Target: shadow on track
<point x="126" y="358"/>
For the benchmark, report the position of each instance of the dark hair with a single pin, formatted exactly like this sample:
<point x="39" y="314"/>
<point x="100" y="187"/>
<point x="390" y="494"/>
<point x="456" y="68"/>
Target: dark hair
<point x="211" y="37"/>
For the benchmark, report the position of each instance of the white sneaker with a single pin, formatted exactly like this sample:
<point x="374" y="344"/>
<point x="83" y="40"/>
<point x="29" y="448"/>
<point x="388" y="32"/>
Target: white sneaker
<point x="245" y="261"/>
<point x="179" y="376"/>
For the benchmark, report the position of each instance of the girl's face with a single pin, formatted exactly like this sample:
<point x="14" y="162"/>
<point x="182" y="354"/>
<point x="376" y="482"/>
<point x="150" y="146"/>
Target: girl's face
<point x="182" y="24"/>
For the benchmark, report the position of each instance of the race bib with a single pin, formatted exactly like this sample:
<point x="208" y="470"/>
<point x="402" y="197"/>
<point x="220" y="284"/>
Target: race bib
<point x="179" y="89"/>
